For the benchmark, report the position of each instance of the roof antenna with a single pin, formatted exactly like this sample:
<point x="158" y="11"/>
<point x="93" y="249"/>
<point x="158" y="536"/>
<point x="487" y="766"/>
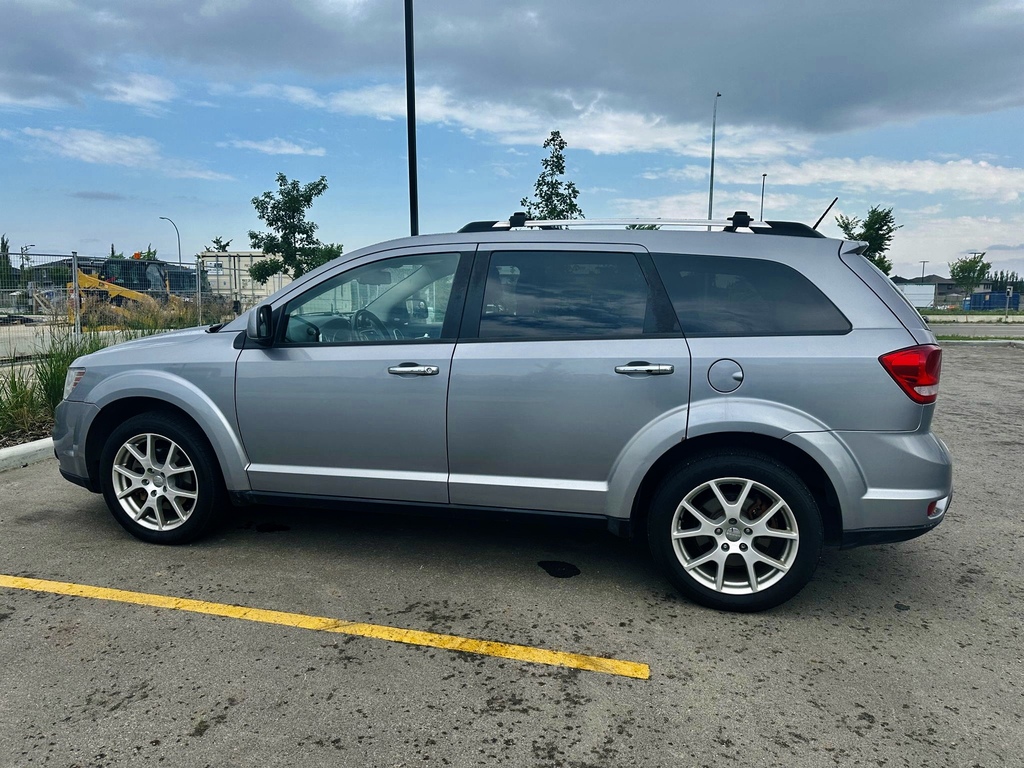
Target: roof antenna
<point x="825" y="213"/>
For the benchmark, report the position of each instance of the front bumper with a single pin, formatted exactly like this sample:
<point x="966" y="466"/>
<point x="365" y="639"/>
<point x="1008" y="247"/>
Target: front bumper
<point x="71" y="423"/>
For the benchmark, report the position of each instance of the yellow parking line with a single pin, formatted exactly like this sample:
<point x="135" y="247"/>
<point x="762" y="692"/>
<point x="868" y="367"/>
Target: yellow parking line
<point x="395" y="634"/>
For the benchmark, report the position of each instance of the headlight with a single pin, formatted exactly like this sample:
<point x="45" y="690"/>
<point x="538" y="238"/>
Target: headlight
<point x="71" y="380"/>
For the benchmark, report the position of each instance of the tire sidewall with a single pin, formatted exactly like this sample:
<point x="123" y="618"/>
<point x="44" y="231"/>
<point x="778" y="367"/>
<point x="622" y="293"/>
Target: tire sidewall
<point x="204" y="463"/>
<point x="752" y="466"/>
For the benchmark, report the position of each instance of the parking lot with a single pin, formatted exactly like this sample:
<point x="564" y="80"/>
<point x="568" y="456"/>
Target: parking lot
<point x="900" y="655"/>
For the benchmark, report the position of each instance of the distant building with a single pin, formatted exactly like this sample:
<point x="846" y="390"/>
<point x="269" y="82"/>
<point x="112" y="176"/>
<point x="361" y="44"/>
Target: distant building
<point x="946" y="292"/>
<point x="228" y="273"/>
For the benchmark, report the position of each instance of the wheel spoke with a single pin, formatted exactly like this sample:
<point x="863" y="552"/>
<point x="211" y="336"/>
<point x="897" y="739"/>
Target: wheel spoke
<point x="720" y="576"/>
<point x="742" y="498"/>
<point x="701" y="516"/>
<point x="127" y="491"/>
<point x="139" y="455"/>
<point x="123" y="470"/>
<point x="776" y="564"/>
<point x="697" y="562"/>
<point x="751" y="573"/>
<point x="176" y="505"/>
<point x="726" y="506"/>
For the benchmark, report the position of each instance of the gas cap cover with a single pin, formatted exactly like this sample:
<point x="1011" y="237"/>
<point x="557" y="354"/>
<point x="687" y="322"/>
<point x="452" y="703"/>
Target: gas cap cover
<point x="725" y="375"/>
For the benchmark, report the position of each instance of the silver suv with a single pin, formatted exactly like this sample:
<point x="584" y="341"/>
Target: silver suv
<point x="739" y="397"/>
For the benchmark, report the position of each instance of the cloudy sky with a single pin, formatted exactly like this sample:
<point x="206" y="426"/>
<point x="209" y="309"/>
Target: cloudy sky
<point x="114" y="113"/>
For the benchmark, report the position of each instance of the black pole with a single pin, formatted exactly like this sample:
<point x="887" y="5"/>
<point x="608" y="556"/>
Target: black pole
<point x="410" y="101"/>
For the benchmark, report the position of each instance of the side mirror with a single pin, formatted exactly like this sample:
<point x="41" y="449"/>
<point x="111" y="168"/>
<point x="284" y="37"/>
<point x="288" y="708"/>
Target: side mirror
<point x="260" y="326"/>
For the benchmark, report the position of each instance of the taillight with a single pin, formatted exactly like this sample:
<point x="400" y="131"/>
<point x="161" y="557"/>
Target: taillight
<point x="916" y="370"/>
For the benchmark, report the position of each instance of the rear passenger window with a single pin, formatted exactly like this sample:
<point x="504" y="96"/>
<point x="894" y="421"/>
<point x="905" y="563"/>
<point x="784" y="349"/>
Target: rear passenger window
<point x="569" y="294"/>
<point x="719" y="296"/>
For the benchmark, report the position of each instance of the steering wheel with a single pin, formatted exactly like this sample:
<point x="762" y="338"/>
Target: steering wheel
<point x="364" y="319"/>
<point x="312" y="330"/>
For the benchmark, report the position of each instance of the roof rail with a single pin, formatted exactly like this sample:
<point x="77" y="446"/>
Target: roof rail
<point x="518" y="220"/>
<point x="739" y="220"/>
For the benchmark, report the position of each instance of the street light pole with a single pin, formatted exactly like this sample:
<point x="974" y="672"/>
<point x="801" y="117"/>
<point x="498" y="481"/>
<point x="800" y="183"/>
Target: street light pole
<point x="24" y="263"/>
<point x="410" y="103"/>
<point x="179" y="237"/>
<point x="923" y="262"/>
<point x="711" y="189"/>
<point x="764" y="177"/>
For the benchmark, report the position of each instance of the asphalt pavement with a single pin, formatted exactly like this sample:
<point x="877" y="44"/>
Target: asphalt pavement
<point x="899" y="655"/>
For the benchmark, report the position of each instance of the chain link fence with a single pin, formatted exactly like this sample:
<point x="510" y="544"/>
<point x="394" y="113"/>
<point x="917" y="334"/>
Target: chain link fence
<point x="44" y="295"/>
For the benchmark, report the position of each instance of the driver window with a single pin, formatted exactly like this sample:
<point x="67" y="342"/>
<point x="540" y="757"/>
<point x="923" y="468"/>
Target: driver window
<point x="399" y="299"/>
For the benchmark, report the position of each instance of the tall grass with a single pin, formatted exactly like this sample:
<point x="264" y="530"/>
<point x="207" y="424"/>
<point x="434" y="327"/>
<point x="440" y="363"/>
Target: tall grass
<point x="29" y="392"/>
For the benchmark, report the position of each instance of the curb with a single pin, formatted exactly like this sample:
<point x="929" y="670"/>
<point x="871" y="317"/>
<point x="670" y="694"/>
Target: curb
<point x="25" y="454"/>
<point x="983" y="342"/>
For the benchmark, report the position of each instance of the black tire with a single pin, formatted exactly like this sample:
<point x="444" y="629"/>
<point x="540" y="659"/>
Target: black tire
<point x="712" y="562"/>
<point x="169" y="481"/>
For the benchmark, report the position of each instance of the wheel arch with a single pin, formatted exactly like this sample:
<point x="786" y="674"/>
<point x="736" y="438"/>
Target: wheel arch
<point x="116" y="412"/>
<point x="806" y="467"/>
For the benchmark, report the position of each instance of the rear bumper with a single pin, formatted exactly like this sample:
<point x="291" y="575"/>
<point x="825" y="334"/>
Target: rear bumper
<point x="886" y="483"/>
<point x="864" y="536"/>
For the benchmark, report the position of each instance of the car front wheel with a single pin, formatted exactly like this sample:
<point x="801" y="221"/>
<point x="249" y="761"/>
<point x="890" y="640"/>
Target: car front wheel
<point x="735" y="531"/>
<point x="159" y="479"/>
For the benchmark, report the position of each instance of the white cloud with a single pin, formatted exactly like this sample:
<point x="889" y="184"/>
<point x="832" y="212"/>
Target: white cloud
<point x="977" y="180"/>
<point x="294" y="94"/>
<point x="101" y="148"/>
<point x="275" y="146"/>
<point x="146" y="92"/>
<point x="592" y="125"/>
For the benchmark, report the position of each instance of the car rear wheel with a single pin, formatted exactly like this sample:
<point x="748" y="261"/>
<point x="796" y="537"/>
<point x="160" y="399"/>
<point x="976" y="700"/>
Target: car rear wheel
<point x="735" y="531"/>
<point x="159" y="479"/>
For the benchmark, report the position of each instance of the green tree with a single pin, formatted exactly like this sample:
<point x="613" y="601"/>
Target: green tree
<point x="8" y="275"/>
<point x="219" y="245"/>
<point x="291" y="242"/>
<point x="1002" y="280"/>
<point x="115" y="254"/>
<point x="969" y="272"/>
<point x="877" y="230"/>
<point x="553" y="197"/>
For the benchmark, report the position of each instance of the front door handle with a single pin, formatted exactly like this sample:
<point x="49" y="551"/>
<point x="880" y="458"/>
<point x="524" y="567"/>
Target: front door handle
<point x="414" y="369"/>
<point x="651" y="369"/>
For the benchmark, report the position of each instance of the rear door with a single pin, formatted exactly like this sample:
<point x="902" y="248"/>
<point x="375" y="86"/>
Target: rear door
<point x="571" y="351"/>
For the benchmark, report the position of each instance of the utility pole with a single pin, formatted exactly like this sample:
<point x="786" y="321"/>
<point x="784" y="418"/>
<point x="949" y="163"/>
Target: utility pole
<point x="764" y="177"/>
<point x="711" y="189"/>
<point x="923" y="262"/>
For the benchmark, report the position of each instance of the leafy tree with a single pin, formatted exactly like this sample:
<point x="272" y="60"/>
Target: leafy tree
<point x="877" y="230"/>
<point x="647" y="227"/>
<point x="8" y="276"/>
<point x="554" y="198"/>
<point x="219" y="245"/>
<point x="115" y="254"/>
<point x="969" y="272"/>
<point x="1002" y="280"/>
<point x="291" y="244"/>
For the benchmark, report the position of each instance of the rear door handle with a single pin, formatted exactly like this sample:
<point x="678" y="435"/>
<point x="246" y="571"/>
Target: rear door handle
<point x="651" y="369"/>
<point x="413" y="369"/>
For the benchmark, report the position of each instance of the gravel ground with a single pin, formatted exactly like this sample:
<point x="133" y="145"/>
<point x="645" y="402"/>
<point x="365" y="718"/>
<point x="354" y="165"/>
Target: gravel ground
<point x="901" y="655"/>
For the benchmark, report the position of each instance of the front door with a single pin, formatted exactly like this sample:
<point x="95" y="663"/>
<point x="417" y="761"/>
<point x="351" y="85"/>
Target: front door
<point x="349" y="400"/>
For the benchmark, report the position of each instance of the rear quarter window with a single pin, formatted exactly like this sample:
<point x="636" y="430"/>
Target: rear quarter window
<point x="727" y="296"/>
